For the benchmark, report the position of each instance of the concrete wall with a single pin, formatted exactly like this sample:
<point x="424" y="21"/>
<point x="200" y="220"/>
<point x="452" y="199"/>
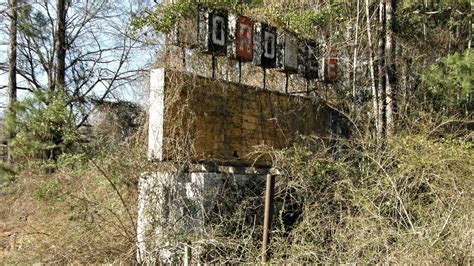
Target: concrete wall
<point x="200" y="119"/>
<point x="174" y="205"/>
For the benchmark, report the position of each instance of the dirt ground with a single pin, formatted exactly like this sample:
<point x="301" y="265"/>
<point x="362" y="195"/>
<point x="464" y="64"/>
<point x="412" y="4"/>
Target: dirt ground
<point x="8" y="229"/>
<point x="15" y="210"/>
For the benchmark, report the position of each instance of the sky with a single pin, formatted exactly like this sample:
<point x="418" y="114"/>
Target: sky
<point x="140" y="57"/>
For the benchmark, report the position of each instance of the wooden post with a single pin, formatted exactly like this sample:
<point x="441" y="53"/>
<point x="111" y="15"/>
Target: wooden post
<point x="267" y="222"/>
<point x="13" y="242"/>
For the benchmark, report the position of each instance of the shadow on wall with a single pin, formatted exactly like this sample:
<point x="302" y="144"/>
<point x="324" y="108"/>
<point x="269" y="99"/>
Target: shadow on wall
<point x="339" y="125"/>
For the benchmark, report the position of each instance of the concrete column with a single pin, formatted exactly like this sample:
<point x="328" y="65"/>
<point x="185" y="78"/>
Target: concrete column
<point x="174" y="205"/>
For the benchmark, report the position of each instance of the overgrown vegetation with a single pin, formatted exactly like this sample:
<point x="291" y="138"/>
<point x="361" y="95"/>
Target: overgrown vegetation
<point x="292" y="16"/>
<point x="85" y="211"/>
<point x="405" y="202"/>
<point x="71" y="194"/>
<point x="451" y="83"/>
<point x="44" y="128"/>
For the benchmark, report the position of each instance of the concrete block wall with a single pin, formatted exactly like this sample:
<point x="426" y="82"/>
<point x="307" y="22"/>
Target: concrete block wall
<point x="221" y="124"/>
<point x="218" y="121"/>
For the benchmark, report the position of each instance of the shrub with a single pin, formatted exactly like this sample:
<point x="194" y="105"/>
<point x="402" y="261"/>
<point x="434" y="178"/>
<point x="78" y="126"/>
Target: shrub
<point x="450" y="82"/>
<point x="44" y="128"/>
<point x="408" y="200"/>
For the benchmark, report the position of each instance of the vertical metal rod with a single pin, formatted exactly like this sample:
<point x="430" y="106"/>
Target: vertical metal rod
<point x="214" y="65"/>
<point x="264" y="78"/>
<point x="183" y="51"/>
<point x="267" y="222"/>
<point x="286" y="82"/>
<point x="240" y="71"/>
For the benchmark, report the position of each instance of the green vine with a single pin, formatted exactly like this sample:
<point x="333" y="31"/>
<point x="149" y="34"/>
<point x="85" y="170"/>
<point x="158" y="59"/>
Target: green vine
<point x="293" y="17"/>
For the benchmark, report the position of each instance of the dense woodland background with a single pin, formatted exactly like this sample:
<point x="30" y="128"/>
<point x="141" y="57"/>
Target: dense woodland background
<point x="399" y="190"/>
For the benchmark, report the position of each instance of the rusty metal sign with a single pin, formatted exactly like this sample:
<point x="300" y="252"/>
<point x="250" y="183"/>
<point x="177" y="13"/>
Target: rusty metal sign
<point x="244" y="40"/>
<point x="240" y="38"/>
<point x="330" y="69"/>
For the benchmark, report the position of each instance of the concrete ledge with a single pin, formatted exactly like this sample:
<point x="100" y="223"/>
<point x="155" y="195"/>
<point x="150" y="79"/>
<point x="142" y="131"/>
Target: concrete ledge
<point x="229" y="169"/>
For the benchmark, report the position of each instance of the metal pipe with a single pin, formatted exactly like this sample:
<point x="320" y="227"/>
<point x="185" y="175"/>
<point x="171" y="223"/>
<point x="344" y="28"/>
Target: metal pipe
<point x="267" y="222"/>
<point x="214" y="65"/>
<point x="240" y="71"/>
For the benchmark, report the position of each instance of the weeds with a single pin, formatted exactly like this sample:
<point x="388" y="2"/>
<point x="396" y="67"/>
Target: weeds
<point x="378" y="204"/>
<point x="405" y="200"/>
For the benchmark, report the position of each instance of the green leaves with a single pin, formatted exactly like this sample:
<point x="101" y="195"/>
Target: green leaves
<point x="33" y="23"/>
<point x="49" y="191"/>
<point x="296" y="18"/>
<point x="292" y="16"/>
<point x="163" y="18"/>
<point x="7" y="176"/>
<point x="451" y="82"/>
<point x="44" y="127"/>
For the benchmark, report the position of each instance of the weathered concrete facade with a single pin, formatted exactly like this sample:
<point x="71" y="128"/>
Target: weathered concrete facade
<point x="224" y="122"/>
<point x="179" y="204"/>
<point x="209" y="132"/>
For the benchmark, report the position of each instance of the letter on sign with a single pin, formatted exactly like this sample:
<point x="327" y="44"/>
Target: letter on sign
<point x="218" y="31"/>
<point x="269" y="42"/>
<point x="287" y="56"/>
<point x="310" y="60"/>
<point x="213" y="32"/>
<point x="265" y="46"/>
<point x="330" y="70"/>
<point x="240" y="45"/>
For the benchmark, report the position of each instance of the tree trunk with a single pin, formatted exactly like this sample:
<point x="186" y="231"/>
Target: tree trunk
<point x="469" y="42"/>
<point x="12" y="70"/>
<point x="381" y="68"/>
<point x="425" y="23"/>
<point x="375" y="95"/>
<point x="354" y="66"/>
<point x="60" y="46"/>
<point x="390" y="61"/>
<point x="405" y="86"/>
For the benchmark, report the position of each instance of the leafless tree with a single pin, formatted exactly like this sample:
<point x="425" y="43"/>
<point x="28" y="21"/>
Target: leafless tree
<point x="84" y="48"/>
<point x="60" y="44"/>
<point x="375" y="94"/>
